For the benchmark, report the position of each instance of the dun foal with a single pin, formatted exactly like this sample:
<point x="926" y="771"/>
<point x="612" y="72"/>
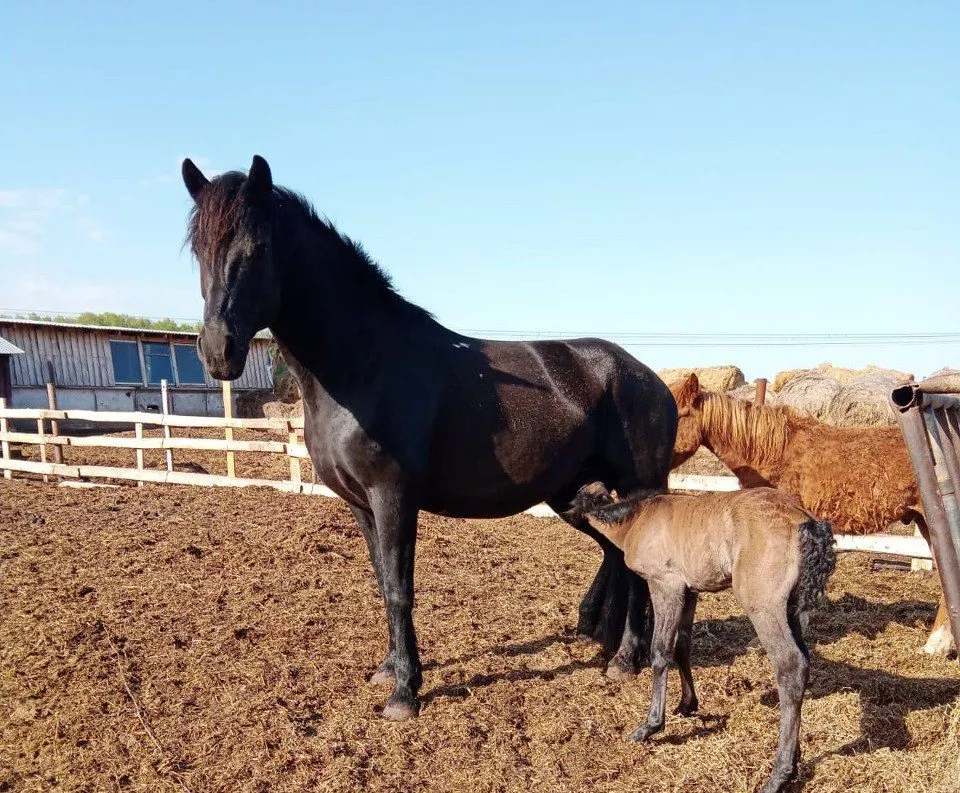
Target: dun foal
<point x="775" y="555"/>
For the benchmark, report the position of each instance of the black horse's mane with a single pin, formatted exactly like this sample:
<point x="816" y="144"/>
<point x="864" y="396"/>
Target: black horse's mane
<point x="221" y="207"/>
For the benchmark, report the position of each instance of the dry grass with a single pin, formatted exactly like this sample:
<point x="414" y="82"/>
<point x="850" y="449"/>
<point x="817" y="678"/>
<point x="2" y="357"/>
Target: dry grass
<point x="182" y="639"/>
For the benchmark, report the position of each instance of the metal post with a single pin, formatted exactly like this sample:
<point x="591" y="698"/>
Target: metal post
<point x="908" y="401"/>
<point x="165" y="407"/>
<point x="761" y="395"/>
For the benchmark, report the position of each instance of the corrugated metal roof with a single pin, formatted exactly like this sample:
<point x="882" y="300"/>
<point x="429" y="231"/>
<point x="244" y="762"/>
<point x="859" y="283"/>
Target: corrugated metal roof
<point x="6" y="348"/>
<point x="108" y="328"/>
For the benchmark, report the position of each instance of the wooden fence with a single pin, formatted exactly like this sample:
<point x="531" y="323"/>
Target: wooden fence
<point x="290" y="445"/>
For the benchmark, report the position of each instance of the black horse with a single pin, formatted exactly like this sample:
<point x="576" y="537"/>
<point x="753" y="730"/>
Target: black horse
<point x="403" y="414"/>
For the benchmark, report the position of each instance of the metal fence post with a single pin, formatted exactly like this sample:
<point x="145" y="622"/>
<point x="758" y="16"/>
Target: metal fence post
<point x="919" y="425"/>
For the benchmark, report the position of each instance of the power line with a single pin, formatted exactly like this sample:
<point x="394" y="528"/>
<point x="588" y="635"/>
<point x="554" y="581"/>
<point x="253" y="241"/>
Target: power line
<point x="659" y="339"/>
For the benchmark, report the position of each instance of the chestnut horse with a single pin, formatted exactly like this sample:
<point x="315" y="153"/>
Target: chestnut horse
<point x="775" y="555"/>
<point x="858" y="478"/>
<point x="402" y="414"/>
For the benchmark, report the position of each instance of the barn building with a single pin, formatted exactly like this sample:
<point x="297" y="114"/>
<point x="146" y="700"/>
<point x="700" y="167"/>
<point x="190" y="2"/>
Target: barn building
<point x="107" y="368"/>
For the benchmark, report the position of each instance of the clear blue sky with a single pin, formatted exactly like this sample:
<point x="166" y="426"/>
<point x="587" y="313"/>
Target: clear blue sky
<point x="539" y="167"/>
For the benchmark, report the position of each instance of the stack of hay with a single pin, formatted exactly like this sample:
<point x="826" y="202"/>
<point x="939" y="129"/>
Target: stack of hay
<point x="712" y="378"/>
<point x="845" y="397"/>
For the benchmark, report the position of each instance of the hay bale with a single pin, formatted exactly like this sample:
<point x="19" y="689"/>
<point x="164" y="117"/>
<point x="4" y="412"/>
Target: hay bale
<point x="865" y="401"/>
<point x="846" y="376"/>
<point x="283" y="410"/>
<point x="786" y="376"/>
<point x="713" y="378"/>
<point x="946" y="379"/>
<point x="810" y="393"/>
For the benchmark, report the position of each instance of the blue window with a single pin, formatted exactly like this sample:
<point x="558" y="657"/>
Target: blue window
<point x="158" y="362"/>
<point x="189" y="368"/>
<point x="126" y="363"/>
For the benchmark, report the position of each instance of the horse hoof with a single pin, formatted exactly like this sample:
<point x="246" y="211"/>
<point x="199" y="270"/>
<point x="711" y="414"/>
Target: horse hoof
<point x="618" y="673"/>
<point x="640" y="734"/>
<point x="400" y="711"/>
<point x="383" y="677"/>
<point x="686" y="710"/>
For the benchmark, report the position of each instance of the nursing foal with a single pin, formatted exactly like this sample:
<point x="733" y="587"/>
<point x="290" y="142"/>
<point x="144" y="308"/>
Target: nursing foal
<point x="775" y="555"/>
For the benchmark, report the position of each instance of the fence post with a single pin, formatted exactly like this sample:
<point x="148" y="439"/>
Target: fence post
<point x="138" y="430"/>
<point x="52" y="404"/>
<point x="228" y="434"/>
<point x="294" y="461"/>
<point x="165" y="407"/>
<point x="43" y="447"/>
<point x="5" y="445"/>
<point x="761" y="395"/>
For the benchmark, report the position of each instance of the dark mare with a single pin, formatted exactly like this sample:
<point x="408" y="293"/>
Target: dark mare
<point x="403" y="414"/>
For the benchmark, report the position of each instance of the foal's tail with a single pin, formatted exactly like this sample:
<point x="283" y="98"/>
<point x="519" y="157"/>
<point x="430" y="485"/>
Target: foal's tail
<point x="817" y="560"/>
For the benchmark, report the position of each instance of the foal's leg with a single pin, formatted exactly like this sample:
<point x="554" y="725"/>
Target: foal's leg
<point x="688" y="699"/>
<point x="384" y="674"/>
<point x="668" y="604"/>
<point x="396" y="519"/>
<point x="784" y="645"/>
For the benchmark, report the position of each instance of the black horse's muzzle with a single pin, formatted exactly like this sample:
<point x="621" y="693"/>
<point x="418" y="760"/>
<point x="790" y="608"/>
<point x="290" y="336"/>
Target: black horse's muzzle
<point x="221" y="350"/>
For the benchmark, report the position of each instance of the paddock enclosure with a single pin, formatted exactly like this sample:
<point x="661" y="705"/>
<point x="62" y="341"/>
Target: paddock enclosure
<point x="215" y="639"/>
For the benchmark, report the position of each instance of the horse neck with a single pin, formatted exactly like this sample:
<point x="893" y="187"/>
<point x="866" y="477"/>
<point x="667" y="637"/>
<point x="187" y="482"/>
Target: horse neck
<point x="338" y="321"/>
<point x="749" y="439"/>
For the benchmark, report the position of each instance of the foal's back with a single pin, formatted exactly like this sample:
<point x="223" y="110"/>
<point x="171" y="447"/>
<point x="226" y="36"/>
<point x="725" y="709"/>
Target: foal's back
<point x="719" y="539"/>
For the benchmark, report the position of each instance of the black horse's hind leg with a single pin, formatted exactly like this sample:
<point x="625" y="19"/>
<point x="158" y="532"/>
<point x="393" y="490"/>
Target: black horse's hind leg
<point x="396" y="521"/>
<point x="384" y="674"/>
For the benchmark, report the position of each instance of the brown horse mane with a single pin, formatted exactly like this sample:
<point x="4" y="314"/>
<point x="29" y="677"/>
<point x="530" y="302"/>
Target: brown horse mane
<point x="759" y="432"/>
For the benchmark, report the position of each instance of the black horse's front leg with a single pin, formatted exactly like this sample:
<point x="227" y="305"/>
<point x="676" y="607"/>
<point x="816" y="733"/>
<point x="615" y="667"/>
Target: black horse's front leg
<point x="396" y="522"/>
<point x="384" y="675"/>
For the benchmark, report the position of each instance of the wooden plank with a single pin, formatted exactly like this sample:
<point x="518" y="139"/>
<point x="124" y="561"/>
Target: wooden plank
<point x="228" y="414"/>
<point x="896" y="544"/>
<point x="52" y="405"/>
<point x="713" y="484"/>
<point x="165" y="407"/>
<point x="138" y="429"/>
<point x="4" y="445"/>
<point x="139" y="442"/>
<point x="153" y="419"/>
<point x="294" y="460"/>
<point x="43" y="446"/>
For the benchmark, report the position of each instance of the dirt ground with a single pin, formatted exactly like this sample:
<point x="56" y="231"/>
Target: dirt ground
<point x="194" y="639"/>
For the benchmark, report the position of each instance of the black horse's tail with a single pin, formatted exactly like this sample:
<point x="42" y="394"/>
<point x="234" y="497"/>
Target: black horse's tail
<point x="817" y="560"/>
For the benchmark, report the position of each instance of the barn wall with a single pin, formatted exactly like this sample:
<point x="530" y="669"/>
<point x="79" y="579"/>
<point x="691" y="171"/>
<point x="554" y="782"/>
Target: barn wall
<point x="81" y="358"/>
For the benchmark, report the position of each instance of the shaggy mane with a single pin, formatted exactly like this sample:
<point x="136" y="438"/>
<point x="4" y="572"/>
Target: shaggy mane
<point x="761" y="431"/>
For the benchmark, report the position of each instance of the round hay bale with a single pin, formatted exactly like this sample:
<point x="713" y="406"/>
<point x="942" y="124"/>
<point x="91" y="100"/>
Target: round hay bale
<point x="713" y="378"/>
<point x="946" y="379"/>
<point x="865" y="401"/>
<point x="810" y="393"/>
<point x="786" y="376"/>
<point x="845" y="375"/>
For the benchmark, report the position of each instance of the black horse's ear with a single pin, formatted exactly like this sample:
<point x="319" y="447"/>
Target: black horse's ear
<point x="259" y="179"/>
<point x="193" y="179"/>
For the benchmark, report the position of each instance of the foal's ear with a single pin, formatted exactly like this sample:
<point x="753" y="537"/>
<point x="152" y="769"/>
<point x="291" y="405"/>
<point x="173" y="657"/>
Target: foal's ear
<point x="193" y="179"/>
<point x="259" y="179"/>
